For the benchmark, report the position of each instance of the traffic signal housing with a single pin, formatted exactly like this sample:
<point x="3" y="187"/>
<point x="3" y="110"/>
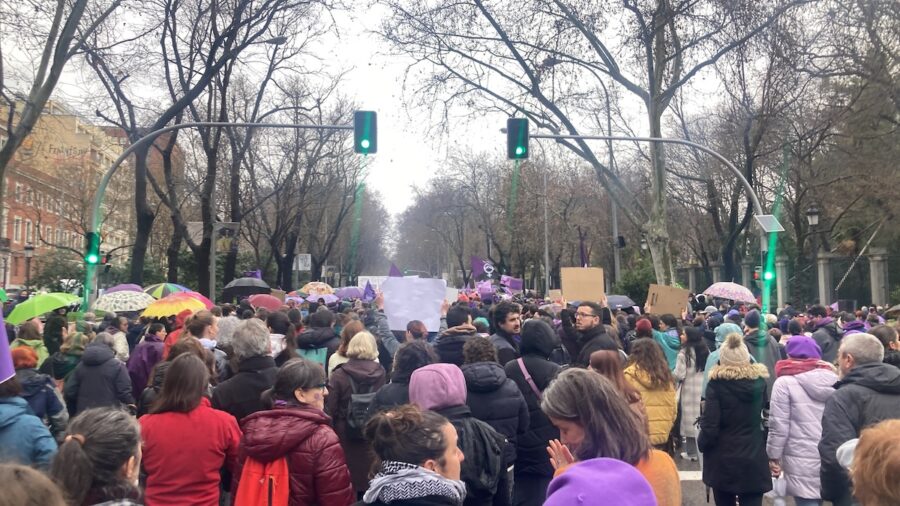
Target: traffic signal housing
<point x="365" y="132"/>
<point x="517" y="138"/>
<point x="92" y="248"/>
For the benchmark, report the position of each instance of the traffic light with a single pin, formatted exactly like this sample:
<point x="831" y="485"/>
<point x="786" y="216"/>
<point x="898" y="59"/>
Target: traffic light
<point x="365" y="132"/>
<point x="768" y="276"/>
<point x="517" y="138"/>
<point x="92" y="248"/>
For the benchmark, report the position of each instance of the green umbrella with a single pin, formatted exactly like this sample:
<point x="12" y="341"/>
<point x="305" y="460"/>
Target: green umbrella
<point x="40" y="304"/>
<point x="3" y="297"/>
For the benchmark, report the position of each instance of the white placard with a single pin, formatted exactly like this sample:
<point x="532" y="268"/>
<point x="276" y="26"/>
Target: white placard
<point x="452" y="294"/>
<point x="407" y="299"/>
<point x="375" y="281"/>
<point x="303" y="262"/>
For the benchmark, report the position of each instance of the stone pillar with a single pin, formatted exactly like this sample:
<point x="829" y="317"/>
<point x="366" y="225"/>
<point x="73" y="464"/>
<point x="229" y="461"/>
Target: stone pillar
<point x="878" y="276"/>
<point x="826" y="278"/>
<point x="692" y="278"/>
<point x="781" y="279"/>
<point x="747" y="274"/>
<point x="716" y="269"/>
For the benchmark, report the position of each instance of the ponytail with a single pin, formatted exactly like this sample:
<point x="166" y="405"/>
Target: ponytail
<point x="98" y="443"/>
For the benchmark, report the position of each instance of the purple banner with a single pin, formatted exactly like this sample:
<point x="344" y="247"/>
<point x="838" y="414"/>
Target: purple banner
<point x="482" y="267"/>
<point x="368" y="293"/>
<point x="514" y="284"/>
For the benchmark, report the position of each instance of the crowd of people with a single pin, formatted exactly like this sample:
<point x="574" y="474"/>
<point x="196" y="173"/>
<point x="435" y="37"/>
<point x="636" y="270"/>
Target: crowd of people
<point x="514" y="401"/>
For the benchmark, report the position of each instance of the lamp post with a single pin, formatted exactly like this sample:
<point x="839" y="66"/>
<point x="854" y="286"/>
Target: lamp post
<point x="812" y="218"/>
<point x="29" y="254"/>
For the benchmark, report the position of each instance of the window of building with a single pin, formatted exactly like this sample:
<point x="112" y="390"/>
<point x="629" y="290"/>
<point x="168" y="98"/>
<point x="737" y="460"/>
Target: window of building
<point x="29" y="233"/>
<point x="17" y="229"/>
<point x="48" y="234"/>
<point x="5" y="213"/>
<point x="18" y="194"/>
<point x="29" y="196"/>
<point x="58" y="238"/>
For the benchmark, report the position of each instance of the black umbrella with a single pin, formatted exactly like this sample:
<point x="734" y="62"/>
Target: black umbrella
<point x="619" y="301"/>
<point x="245" y="287"/>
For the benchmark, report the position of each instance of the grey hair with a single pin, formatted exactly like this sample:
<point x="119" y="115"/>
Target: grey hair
<point x="864" y="348"/>
<point x="105" y="338"/>
<point x="250" y="339"/>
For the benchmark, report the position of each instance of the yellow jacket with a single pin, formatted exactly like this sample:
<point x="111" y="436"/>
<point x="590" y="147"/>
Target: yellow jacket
<point x="659" y="403"/>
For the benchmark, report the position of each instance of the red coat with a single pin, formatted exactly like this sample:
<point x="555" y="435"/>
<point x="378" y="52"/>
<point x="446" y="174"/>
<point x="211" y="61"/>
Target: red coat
<point x="183" y="453"/>
<point x="303" y="434"/>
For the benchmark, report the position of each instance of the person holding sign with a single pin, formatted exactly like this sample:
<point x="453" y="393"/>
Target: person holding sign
<point x="587" y="335"/>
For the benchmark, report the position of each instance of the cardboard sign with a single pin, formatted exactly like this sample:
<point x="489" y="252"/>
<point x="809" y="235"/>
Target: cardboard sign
<point x="407" y="299"/>
<point x="279" y="294"/>
<point x="663" y="299"/>
<point x="582" y="284"/>
<point x="555" y="295"/>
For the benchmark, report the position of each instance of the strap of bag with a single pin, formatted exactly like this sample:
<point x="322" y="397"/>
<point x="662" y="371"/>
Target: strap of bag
<point x="528" y="379"/>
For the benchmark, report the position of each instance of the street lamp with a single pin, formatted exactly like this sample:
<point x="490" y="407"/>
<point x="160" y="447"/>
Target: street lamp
<point x="812" y="217"/>
<point x="29" y="254"/>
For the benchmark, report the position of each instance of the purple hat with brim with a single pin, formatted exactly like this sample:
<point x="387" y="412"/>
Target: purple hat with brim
<point x="803" y="347"/>
<point x="612" y="480"/>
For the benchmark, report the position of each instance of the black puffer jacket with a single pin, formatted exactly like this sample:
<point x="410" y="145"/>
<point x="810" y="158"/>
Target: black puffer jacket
<point x="393" y="394"/>
<point x="892" y="357"/>
<point x="495" y="399"/>
<point x="241" y="394"/>
<point x="828" y="336"/>
<point x="867" y="395"/>
<point x="100" y="380"/>
<point x="449" y="345"/>
<point x="538" y="342"/>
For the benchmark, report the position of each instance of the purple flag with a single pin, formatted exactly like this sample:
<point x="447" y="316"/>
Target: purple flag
<point x="485" y="290"/>
<point x="253" y="274"/>
<point x="394" y="272"/>
<point x="7" y="370"/>
<point x="368" y="293"/>
<point x="482" y="267"/>
<point x="834" y="307"/>
<point x="514" y="284"/>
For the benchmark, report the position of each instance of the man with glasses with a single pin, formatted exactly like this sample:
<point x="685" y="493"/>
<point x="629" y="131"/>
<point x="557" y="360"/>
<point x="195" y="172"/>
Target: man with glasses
<point x="588" y="334"/>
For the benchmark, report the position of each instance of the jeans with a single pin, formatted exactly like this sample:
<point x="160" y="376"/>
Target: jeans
<point x="799" y="501"/>
<point x="728" y="499"/>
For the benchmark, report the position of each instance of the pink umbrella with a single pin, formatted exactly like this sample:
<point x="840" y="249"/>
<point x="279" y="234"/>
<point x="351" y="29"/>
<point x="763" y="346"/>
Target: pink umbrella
<point x="202" y="298"/>
<point x="267" y="301"/>
<point x="730" y="291"/>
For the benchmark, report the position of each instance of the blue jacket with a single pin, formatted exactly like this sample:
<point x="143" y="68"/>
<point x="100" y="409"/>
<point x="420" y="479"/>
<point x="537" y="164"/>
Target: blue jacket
<point x="23" y="437"/>
<point x="670" y="343"/>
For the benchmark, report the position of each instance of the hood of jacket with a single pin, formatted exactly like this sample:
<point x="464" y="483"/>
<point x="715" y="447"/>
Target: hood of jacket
<point x="669" y="338"/>
<point x="159" y="374"/>
<point x="484" y="376"/>
<point x="880" y="377"/>
<point x="755" y="337"/>
<point x="818" y="383"/>
<point x="34" y="344"/>
<point x="316" y="337"/>
<point x="892" y="357"/>
<point x="855" y="326"/>
<point x="12" y="409"/>
<point x="723" y="330"/>
<point x="464" y="330"/>
<point x="538" y="338"/>
<point x="32" y="381"/>
<point x="365" y="372"/>
<point x="829" y="325"/>
<point x="97" y="353"/>
<point x="745" y="383"/>
<point x="269" y="435"/>
<point x="639" y="375"/>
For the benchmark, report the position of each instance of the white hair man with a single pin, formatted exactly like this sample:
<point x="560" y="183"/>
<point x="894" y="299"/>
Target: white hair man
<point x="868" y="392"/>
<point x="240" y="394"/>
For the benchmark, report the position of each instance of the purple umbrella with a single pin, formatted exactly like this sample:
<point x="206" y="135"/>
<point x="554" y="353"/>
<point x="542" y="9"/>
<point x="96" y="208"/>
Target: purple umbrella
<point x="329" y="299"/>
<point x="127" y="287"/>
<point x="350" y="292"/>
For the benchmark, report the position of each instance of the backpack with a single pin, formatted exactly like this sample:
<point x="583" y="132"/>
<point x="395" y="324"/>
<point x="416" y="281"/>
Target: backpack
<point x="483" y="447"/>
<point x="317" y="355"/>
<point x="264" y="484"/>
<point x="358" y="410"/>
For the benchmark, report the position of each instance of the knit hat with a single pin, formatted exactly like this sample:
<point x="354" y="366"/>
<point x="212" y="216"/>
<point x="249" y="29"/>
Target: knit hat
<point x="643" y="326"/>
<point x="437" y="386"/>
<point x="615" y="481"/>
<point x="771" y="320"/>
<point x="723" y="330"/>
<point x="734" y="352"/>
<point x="752" y="319"/>
<point x="803" y="347"/>
<point x="709" y="310"/>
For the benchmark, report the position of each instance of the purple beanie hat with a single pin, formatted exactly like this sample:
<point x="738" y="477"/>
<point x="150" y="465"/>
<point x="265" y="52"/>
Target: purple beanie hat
<point x="803" y="347"/>
<point x="615" y="481"/>
<point x="437" y="386"/>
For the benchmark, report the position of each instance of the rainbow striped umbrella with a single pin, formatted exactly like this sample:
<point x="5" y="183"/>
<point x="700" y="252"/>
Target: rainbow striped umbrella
<point x="173" y="304"/>
<point x="160" y="290"/>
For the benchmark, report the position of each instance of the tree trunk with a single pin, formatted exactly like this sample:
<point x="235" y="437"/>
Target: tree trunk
<point x="656" y="227"/>
<point x="202" y="257"/>
<point x="144" y="215"/>
<point x="172" y="254"/>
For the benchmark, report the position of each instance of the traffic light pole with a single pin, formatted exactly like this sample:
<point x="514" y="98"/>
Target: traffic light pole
<point x="91" y="269"/>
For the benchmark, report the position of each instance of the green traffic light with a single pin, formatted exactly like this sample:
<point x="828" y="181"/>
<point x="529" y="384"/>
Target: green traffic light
<point x="519" y="150"/>
<point x="92" y="259"/>
<point x="768" y="275"/>
<point x="364" y="143"/>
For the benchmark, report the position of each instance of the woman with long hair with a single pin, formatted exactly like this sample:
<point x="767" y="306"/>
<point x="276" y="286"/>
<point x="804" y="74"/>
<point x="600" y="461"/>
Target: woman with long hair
<point x="184" y="469"/>
<point x="418" y="460"/>
<point x="689" y="366"/>
<point x="100" y="459"/>
<point x="349" y="330"/>
<point x="648" y="372"/>
<point x="609" y="364"/>
<point x="296" y="427"/>
<point x="732" y="437"/>
<point x="594" y="421"/>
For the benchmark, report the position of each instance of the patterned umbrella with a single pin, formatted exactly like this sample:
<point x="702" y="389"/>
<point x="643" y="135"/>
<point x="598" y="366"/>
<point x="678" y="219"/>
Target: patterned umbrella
<point x="267" y="301"/>
<point x="172" y="305"/>
<point x="161" y="290"/>
<point x="123" y="302"/>
<point x="350" y="292"/>
<point x="40" y="304"/>
<point x="127" y="287"/>
<point x="329" y="299"/>
<point x="317" y="288"/>
<point x="730" y="291"/>
<point x="298" y="293"/>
